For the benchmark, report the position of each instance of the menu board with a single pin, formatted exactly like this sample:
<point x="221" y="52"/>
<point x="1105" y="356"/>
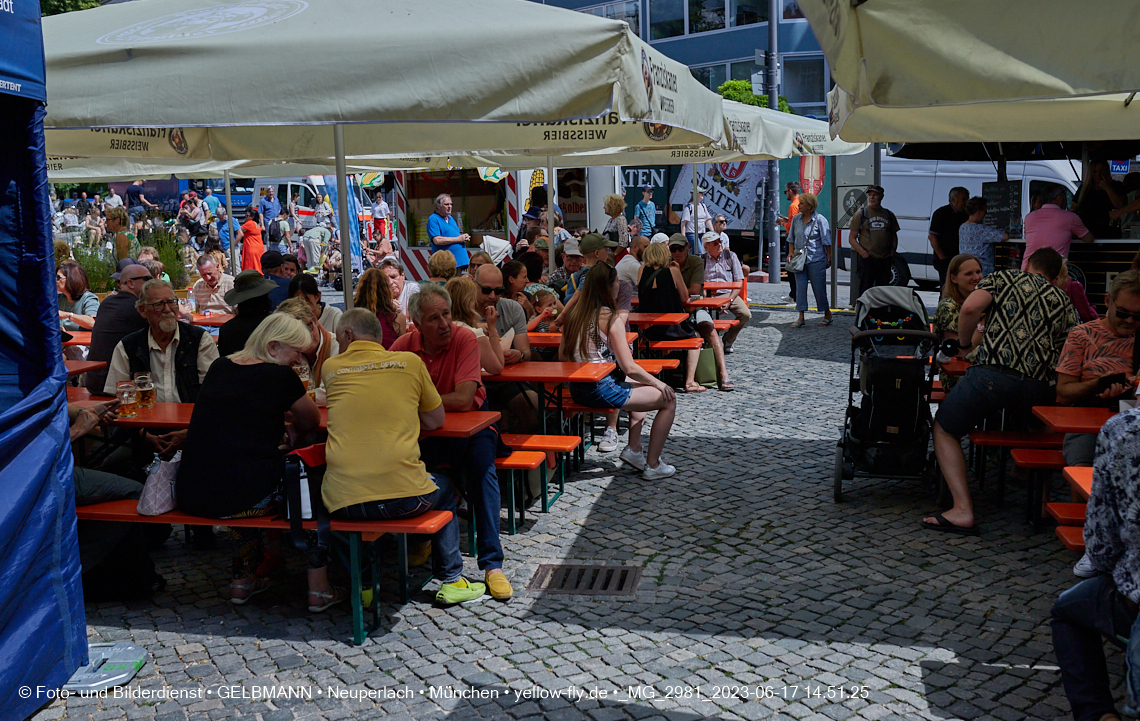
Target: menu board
<point x="1003" y="206"/>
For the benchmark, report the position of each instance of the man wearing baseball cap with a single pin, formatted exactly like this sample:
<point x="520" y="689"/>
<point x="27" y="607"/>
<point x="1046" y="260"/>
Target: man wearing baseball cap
<point x="571" y="264"/>
<point x="273" y="264"/>
<point x="595" y="249"/>
<point x="874" y="237"/>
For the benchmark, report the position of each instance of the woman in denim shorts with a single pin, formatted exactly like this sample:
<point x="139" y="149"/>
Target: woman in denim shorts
<point x="593" y="332"/>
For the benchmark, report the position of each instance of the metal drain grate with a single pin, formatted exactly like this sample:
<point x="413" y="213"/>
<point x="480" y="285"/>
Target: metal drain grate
<point x="586" y="580"/>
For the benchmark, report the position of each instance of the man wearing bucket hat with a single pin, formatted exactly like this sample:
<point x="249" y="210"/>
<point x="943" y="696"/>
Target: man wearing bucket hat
<point x="250" y="301"/>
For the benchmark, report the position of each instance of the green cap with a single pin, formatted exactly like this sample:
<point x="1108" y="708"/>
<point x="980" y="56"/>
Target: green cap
<point x="595" y="241"/>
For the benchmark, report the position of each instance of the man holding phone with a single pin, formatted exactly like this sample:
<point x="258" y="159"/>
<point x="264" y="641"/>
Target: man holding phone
<point x="1096" y="365"/>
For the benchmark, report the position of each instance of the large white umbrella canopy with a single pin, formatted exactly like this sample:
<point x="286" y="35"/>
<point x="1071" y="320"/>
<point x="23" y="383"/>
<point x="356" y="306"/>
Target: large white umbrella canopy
<point x="301" y="64"/>
<point x="1021" y="70"/>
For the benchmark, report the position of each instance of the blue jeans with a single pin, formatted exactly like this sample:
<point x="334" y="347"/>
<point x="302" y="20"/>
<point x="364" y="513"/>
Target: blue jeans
<point x="693" y="247"/>
<point x="815" y="273"/>
<point x="446" y="561"/>
<point x="1083" y="615"/>
<point x="474" y="460"/>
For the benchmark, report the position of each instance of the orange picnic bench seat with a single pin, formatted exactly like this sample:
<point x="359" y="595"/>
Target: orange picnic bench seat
<point x="725" y="324"/>
<point x="1067" y="514"/>
<point x="1073" y="537"/>
<point x="357" y="533"/>
<point x="553" y="447"/>
<point x="666" y="346"/>
<point x="1006" y="441"/>
<point x="518" y="463"/>
<point x="1042" y="462"/>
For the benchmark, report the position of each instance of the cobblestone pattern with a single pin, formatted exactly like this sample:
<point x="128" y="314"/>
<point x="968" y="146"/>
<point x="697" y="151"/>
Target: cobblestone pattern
<point x="753" y="576"/>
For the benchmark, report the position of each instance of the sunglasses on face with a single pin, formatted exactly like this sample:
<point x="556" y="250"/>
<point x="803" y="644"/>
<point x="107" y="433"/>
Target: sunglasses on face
<point x="1122" y="314"/>
<point x="60" y="277"/>
<point x="487" y="290"/>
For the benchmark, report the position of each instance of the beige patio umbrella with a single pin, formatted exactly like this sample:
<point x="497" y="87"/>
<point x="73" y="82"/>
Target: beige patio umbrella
<point x="1021" y="70"/>
<point x="437" y="63"/>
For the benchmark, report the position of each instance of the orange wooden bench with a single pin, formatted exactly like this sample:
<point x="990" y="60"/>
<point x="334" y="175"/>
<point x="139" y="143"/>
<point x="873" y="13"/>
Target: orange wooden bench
<point x="937" y="396"/>
<point x="356" y="533"/>
<point x="1006" y="440"/>
<point x="517" y="464"/>
<point x="1067" y="514"/>
<point x="1073" y="537"/>
<point x="723" y="325"/>
<point x="553" y="446"/>
<point x="668" y="346"/>
<point x="1042" y="462"/>
<point x="1080" y="478"/>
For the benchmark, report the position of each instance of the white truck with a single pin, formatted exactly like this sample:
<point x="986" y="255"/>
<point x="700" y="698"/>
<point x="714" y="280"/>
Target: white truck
<point x="916" y="188"/>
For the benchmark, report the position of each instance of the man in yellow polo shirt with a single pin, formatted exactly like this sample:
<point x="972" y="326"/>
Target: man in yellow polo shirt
<point x="378" y="403"/>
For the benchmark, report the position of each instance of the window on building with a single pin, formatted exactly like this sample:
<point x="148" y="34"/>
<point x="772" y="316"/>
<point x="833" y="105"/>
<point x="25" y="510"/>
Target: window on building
<point x="792" y="10"/>
<point x="666" y="19"/>
<point x="711" y="76"/>
<point x="805" y="83"/>
<point x="743" y="69"/>
<point x="747" y="12"/>
<point x="628" y="11"/>
<point x="705" y="15"/>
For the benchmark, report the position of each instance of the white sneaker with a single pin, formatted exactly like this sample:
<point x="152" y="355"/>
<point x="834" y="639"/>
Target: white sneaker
<point x="1085" y="568"/>
<point x="663" y="470"/>
<point x="609" y="441"/>
<point x="637" y="460"/>
<point x="787" y="299"/>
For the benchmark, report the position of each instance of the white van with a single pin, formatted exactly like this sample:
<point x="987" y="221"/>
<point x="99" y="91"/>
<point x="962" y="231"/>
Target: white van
<point x="310" y="187"/>
<point x="916" y="188"/>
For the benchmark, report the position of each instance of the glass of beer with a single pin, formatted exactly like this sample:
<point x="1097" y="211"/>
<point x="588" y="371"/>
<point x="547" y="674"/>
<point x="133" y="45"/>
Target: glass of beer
<point x="146" y="392"/>
<point x="128" y="395"/>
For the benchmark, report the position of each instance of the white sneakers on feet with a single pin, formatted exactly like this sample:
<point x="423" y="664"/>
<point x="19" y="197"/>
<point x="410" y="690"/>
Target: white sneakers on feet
<point x="609" y="441"/>
<point x="1084" y="568"/>
<point x="637" y="460"/>
<point x="663" y="470"/>
<point x="787" y="299"/>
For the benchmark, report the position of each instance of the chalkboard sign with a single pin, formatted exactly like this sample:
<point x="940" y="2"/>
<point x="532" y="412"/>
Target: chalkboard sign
<point x="1003" y="206"/>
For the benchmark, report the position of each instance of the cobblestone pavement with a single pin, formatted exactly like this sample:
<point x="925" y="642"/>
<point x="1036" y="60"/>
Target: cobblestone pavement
<point x="753" y="579"/>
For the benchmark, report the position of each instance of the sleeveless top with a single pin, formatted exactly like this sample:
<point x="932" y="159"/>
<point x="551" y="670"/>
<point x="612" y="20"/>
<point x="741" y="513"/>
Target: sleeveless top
<point x="662" y="299"/>
<point x="390" y="335"/>
<point x="597" y="347"/>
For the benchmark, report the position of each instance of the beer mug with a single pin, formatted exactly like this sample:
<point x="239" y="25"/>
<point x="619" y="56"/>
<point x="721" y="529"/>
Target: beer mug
<point x="128" y="396"/>
<point x="146" y="391"/>
<point x="303" y="373"/>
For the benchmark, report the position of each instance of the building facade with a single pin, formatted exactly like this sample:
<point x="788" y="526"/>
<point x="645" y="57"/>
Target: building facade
<point x="718" y="40"/>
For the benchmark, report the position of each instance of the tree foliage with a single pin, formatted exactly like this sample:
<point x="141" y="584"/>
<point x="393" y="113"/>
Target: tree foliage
<point x="55" y="7"/>
<point x="741" y="92"/>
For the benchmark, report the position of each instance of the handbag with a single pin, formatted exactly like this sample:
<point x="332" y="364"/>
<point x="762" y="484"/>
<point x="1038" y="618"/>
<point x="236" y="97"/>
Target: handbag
<point x="158" y="494"/>
<point x="303" y="500"/>
<point x="797" y="262"/>
<point x="707" y="374"/>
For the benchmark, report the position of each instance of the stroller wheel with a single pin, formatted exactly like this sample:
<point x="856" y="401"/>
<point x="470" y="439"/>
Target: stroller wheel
<point x="838" y="485"/>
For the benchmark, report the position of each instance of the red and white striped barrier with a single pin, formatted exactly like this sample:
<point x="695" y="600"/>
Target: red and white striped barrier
<point x="416" y="263"/>
<point x="401" y="208"/>
<point x="512" y="205"/>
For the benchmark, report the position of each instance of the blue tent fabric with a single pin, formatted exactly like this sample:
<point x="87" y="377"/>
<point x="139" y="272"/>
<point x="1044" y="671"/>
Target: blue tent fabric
<point x="43" y="630"/>
<point x="355" y="252"/>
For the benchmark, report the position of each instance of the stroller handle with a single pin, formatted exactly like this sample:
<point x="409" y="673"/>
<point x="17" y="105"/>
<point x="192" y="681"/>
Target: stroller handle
<point x="917" y="335"/>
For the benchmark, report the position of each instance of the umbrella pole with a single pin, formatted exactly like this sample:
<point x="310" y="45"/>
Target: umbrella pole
<point x="773" y="88"/>
<point x="230" y="221"/>
<point x="696" y="212"/>
<point x="342" y="213"/>
<point x="550" y="213"/>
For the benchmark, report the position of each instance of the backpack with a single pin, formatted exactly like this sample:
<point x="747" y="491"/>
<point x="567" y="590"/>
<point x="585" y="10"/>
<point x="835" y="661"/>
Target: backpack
<point x="276" y="234"/>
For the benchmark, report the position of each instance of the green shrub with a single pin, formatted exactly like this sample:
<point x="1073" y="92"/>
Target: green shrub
<point x="98" y="263"/>
<point x="741" y="92"/>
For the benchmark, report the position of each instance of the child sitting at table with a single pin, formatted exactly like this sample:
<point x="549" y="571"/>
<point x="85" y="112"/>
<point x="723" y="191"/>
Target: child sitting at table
<point x="545" y="311"/>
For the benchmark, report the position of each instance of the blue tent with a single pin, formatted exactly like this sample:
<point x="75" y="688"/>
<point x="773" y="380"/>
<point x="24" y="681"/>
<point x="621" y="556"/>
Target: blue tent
<point x="43" y="632"/>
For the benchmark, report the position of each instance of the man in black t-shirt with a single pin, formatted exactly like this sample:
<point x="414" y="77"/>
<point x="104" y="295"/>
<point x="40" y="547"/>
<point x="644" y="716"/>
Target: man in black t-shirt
<point x="943" y="232"/>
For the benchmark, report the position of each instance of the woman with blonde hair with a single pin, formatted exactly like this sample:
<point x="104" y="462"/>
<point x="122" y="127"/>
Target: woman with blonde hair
<point x="374" y="292"/>
<point x="124" y="242"/>
<point x="617" y="228"/>
<point x="322" y="345"/>
<point x="464" y="312"/>
<point x="810" y="234"/>
<point x="231" y="465"/>
<point x="441" y="267"/>
<point x="962" y="276"/>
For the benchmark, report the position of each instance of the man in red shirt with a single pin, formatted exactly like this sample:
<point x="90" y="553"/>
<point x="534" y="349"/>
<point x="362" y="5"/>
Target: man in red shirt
<point x="451" y="355"/>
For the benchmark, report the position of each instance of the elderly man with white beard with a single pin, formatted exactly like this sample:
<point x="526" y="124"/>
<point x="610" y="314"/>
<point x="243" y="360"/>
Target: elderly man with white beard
<point x="175" y="354"/>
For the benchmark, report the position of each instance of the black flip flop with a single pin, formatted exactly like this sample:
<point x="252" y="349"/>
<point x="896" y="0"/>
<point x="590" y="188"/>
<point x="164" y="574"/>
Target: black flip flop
<point x="944" y="526"/>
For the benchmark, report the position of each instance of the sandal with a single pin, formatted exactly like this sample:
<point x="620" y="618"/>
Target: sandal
<point x="249" y="586"/>
<point x="825" y="321"/>
<point x="798" y="324"/>
<point x="335" y="595"/>
<point x="726" y="387"/>
<point x="695" y="388"/>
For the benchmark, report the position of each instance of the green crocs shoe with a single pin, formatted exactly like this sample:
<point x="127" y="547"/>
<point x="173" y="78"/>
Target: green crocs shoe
<point x="461" y="591"/>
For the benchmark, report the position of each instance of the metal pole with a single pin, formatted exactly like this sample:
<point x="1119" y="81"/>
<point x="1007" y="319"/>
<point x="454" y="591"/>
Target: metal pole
<point x="342" y="213"/>
<point x="696" y="187"/>
<point x="774" y="11"/>
<point x="551" y="185"/>
<point x="836" y="232"/>
<point x="230" y="220"/>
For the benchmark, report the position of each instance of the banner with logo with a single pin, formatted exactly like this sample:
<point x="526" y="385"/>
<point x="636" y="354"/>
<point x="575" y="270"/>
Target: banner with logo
<point x="22" y="62"/>
<point x="730" y="188"/>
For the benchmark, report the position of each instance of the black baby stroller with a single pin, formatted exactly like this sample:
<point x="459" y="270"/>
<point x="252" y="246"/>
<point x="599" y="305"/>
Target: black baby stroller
<point x="887" y="435"/>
